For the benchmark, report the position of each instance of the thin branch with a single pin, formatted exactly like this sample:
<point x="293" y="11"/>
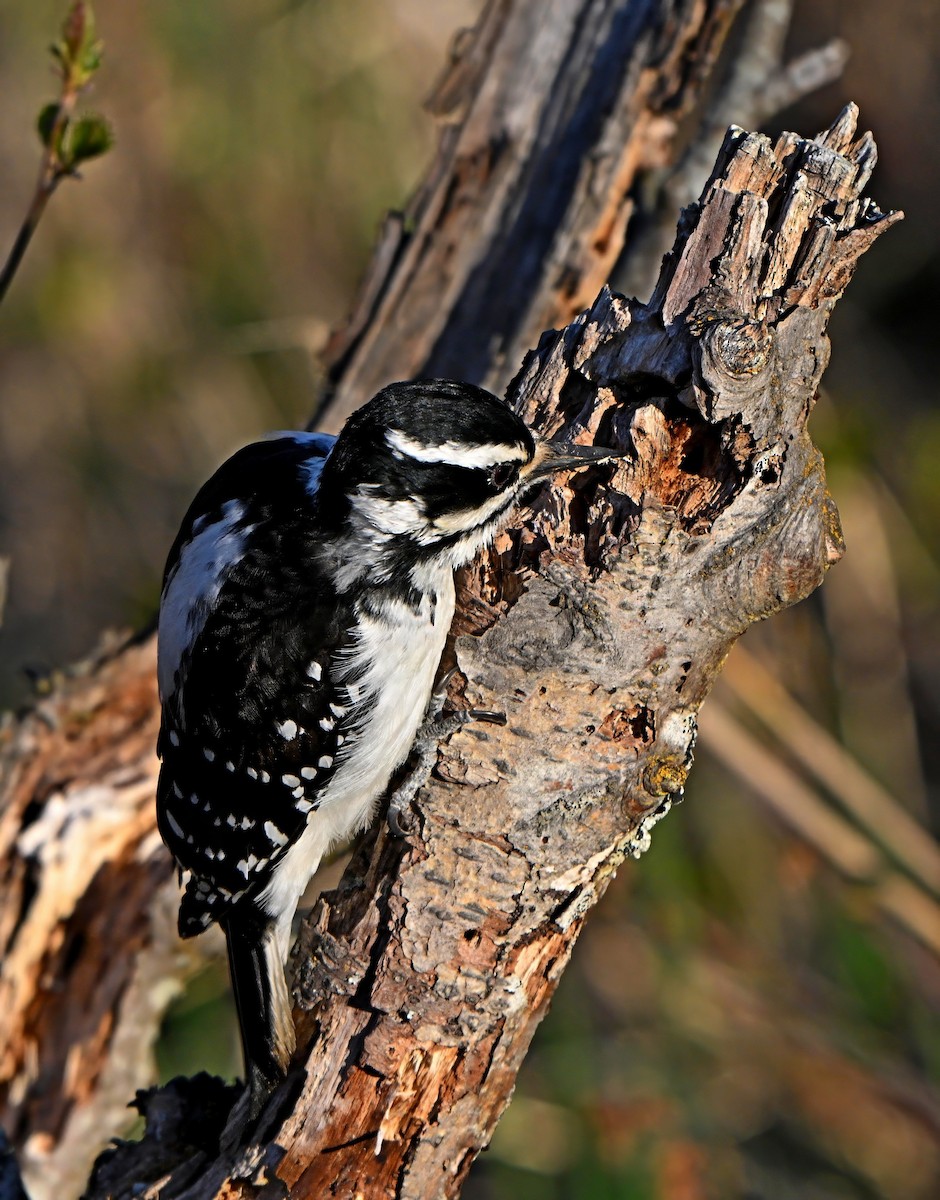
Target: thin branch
<point x="811" y="71"/>
<point x="51" y="173"/>
<point x="4" y="577"/>
<point x="65" y="147"/>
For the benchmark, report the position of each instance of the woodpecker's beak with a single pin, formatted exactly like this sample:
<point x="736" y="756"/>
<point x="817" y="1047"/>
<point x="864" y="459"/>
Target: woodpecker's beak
<point x="552" y="457"/>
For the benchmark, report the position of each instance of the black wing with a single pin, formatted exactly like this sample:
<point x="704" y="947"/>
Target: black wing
<point x="252" y="718"/>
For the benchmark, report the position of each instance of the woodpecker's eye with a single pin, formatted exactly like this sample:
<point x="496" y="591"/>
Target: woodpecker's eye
<point x="503" y="475"/>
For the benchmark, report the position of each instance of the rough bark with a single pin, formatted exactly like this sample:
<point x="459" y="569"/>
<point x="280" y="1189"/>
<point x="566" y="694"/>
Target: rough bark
<point x="550" y="111"/>
<point x="598" y="628"/>
<point x="90" y="956"/>
<point x="579" y="94"/>
<point x="87" y="908"/>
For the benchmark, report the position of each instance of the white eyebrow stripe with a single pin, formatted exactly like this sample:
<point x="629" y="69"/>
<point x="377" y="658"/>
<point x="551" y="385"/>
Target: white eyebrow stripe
<point x="453" y="453"/>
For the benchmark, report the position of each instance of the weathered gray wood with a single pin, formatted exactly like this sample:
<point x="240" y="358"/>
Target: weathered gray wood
<point x="517" y="106"/>
<point x="550" y="112"/>
<point x="87" y="895"/>
<point x="598" y="628"/>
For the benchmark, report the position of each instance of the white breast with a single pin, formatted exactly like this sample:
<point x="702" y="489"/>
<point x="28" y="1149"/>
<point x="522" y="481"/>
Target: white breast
<point x="393" y="663"/>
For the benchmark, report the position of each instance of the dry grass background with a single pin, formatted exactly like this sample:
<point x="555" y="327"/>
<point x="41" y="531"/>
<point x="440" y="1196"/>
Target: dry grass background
<point x="753" y="1011"/>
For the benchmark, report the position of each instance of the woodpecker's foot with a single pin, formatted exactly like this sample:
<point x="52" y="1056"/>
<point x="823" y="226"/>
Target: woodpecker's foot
<point x="438" y="700"/>
<point x="434" y="730"/>
<point x="400" y="815"/>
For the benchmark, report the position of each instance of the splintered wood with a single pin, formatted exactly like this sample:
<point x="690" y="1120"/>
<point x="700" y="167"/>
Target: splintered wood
<point x="598" y="628"/>
<point x="635" y="588"/>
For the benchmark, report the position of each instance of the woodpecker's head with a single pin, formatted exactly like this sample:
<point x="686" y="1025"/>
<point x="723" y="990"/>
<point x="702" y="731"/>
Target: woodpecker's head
<point x="441" y="464"/>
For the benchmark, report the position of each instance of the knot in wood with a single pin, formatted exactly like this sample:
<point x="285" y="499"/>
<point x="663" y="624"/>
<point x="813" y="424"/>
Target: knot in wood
<point x="664" y="775"/>
<point x="738" y="349"/>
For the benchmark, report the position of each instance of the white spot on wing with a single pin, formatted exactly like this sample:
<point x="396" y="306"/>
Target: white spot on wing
<point x="393" y="659"/>
<point x="274" y="834"/>
<point x="315" y="671"/>
<point x="290" y="781"/>
<point x="287" y="729"/>
<point x="308" y="772"/>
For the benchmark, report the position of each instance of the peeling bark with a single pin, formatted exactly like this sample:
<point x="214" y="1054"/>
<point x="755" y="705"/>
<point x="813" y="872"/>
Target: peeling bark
<point x="550" y="111"/>
<point x="90" y="958"/>
<point x="598" y="627"/>
<point x="518" y="104"/>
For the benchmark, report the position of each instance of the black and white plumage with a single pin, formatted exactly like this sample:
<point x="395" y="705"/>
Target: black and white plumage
<point x="305" y="607"/>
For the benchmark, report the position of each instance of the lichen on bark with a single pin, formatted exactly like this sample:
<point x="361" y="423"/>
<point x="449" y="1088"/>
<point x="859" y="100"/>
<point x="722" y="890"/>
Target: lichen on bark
<point x="598" y="626"/>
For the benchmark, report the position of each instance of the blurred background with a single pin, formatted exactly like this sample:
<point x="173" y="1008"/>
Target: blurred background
<point x="753" y="1009"/>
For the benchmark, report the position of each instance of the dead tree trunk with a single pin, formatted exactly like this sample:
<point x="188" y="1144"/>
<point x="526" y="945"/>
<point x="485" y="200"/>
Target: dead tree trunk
<point x="599" y="628"/>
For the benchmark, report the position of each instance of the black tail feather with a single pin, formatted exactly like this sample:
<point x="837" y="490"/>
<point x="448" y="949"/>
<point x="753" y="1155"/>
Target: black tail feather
<point x="262" y="1001"/>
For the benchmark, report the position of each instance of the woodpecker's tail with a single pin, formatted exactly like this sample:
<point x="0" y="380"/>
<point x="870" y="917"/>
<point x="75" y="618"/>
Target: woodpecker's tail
<point x="262" y="1000"/>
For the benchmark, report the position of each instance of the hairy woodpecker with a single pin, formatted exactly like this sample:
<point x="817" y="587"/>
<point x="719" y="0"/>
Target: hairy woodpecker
<point x="305" y="606"/>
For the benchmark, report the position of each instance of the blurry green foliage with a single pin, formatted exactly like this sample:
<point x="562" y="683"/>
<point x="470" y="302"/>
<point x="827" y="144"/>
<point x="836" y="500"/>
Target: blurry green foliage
<point x="185" y="289"/>
<point x="201" y="1028"/>
<point x="68" y="141"/>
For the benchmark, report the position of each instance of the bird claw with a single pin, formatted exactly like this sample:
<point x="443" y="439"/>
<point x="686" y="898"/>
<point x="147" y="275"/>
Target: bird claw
<point x="400" y="817"/>
<point x="490" y="715"/>
<point x="438" y="698"/>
